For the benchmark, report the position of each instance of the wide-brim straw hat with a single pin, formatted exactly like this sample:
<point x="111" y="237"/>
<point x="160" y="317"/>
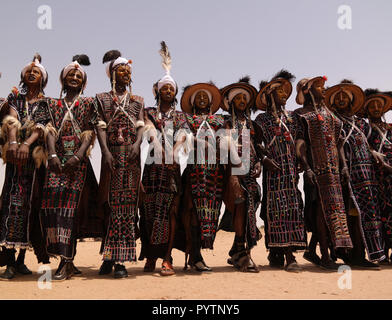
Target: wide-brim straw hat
<point x="354" y="92"/>
<point x="303" y="84"/>
<point x="261" y="99"/>
<point x="216" y="98"/>
<point x="225" y="105"/>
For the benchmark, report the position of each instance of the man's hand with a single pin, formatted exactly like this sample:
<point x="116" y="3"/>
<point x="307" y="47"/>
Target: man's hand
<point x="345" y="175"/>
<point x="108" y="161"/>
<point x="256" y="171"/>
<point x="311" y="177"/>
<point x="71" y="165"/>
<point x="55" y="165"/>
<point x="271" y="165"/>
<point x="11" y="152"/>
<point x="22" y="154"/>
<point x="134" y="152"/>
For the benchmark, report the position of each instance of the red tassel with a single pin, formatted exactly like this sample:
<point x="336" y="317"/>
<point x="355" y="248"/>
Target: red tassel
<point x="59" y="103"/>
<point x="320" y="117"/>
<point x="77" y="103"/>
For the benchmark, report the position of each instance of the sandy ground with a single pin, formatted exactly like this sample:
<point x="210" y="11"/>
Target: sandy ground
<point x="224" y="282"/>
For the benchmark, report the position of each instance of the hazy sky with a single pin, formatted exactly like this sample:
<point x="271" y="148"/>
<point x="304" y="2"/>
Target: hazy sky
<point x="208" y="40"/>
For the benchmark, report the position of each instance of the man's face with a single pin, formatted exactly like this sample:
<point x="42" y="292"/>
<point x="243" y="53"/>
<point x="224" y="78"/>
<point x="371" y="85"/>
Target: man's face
<point x="280" y="96"/>
<point x="341" y="101"/>
<point x="318" y="89"/>
<point x="74" y="80"/>
<point x="240" y="102"/>
<point x="375" y="108"/>
<point x="123" y="75"/>
<point x="201" y="100"/>
<point x="167" y="93"/>
<point x="33" y="76"/>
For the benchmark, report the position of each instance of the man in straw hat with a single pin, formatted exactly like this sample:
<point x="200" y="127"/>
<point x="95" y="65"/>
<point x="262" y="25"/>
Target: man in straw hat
<point x="203" y="177"/>
<point x="120" y="130"/>
<point x="362" y="207"/>
<point x="23" y="153"/>
<point x="242" y="193"/>
<point x="380" y="140"/>
<point x="318" y="151"/>
<point x="69" y="208"/>
<point x="282" y="206"/>
<point x="162" y="176"/>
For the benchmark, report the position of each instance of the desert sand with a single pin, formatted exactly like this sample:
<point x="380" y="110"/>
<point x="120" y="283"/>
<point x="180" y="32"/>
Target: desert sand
<point x="224" y="282"/>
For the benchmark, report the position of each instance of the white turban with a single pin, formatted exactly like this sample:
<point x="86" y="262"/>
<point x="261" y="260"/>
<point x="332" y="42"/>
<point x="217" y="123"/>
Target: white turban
<point x="167" y="79"/>
<point x="74" y="65"/>
<point x="111" y="65"/>
<point x="234" y="92"/>
<point x="36" y="63"/>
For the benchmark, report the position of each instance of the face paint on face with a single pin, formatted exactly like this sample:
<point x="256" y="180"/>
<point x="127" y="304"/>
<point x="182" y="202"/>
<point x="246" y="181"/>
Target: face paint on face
<point x="167" y="93"/>
<point x="239" y="102"/>
<point x="280" y="96"/>
<point x="123" y="75"/>
<point x="33" y="76"/>
<point x="375" y="108"/>
<point x="74" y="80"/>
<point x="318" y="89"/>
<point x="341" y="101"/>
<point x="201" y="100"/>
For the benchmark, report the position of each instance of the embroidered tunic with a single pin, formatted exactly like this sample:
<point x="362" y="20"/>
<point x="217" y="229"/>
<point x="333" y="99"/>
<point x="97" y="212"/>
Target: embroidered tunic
<point x="206" y="179"/>
<point x="363" y="183"/>
<point x="21" y="190"/>
<point x="245" y="142"/>
<point x="162" y="185"/>
<point x="121" y="118"/>
<point x="63" y="206"/>
<point x="282" y="206"/>
<point x="321" y="132"/>
<point x="380" y="139"/>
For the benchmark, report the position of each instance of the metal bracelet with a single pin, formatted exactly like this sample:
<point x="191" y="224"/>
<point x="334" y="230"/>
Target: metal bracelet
<point x="27" y="144"/>
<point x="13" y="142"/>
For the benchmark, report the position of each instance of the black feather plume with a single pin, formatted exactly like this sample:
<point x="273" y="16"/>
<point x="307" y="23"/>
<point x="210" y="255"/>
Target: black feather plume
<point x="285" y="75"/>
<point x="37" y="56"/>
<point x="389" y="93"/>
<point x="185" y="87"/>
<point x="262" y="84"/>
<point x="111" y="55"/>
<point x="82" y="59"/>
<point x="347" y="81"/>
<point x="369" y="92"/>
<point x="245" y="79"/>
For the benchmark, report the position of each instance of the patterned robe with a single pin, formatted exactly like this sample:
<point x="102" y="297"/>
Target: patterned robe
<point x="21" y="195"/>
<point x="380" y="139"/>
<point x="162" y="185"/>
<point x="63" y="207"/>
<point x="364" y="185"/>
<point x="245" y="141"/>
<point x="321" y="132"/>
<point x="282" y="206"/>
<point x="206" y="180"/>
<point x="120" y="242"/>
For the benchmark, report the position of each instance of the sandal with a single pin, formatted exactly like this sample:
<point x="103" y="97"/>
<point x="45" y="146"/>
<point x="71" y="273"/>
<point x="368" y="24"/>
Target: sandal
<point x="241" y="260"/>
<point x="293" y="267"/>
<point x="167" y="269"/>
<point x="201" y="266"/>
<point x="150" y="265"/>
